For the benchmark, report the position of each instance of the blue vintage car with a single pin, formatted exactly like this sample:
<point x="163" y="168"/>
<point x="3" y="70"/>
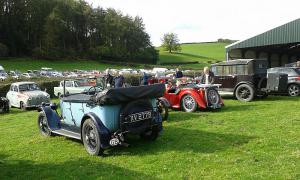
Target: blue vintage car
<point x="103" y="119"/>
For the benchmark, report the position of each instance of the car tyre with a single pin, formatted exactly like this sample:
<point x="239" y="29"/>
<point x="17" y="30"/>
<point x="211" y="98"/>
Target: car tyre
<point x="150" y="135"/>
<point x="189" y="103"/>
<point x="43" y="125"/>
<point x="294" y="90"/>
<point x="22" y="106"/>
<point x="244" y="93"/>
<point x="91" y="138"/>
<point x="163" y="110"/>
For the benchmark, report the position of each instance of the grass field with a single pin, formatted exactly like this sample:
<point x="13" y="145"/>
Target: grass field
<point x="256" y="140"/>
<point x="204" y="53"/>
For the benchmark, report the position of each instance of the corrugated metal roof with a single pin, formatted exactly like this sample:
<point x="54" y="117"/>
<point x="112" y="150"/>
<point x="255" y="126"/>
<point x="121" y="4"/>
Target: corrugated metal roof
<point x="287" y="33"/>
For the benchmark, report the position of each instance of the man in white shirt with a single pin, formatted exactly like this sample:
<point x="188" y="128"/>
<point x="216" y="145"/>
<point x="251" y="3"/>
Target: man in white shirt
<point x="207" y="76"/>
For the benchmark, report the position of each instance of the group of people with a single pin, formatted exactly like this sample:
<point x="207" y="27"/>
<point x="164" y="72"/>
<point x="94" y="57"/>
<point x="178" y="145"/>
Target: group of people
<point x="111" y="81"/>
<point x="119" y="80"/>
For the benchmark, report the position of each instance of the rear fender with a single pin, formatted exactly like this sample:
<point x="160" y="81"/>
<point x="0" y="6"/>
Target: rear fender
<point x="199" y="97"/>
<point x="53" y="118"/>
<point x="105" y="134"/>
<point x="165" y="102"/>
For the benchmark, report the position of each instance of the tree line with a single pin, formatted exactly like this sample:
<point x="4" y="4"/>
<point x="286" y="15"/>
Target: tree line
<point x="58" y="29"/>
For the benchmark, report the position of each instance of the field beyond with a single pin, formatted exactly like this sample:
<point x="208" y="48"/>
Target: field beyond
<point x="203" y="53"/>
<point x="256" y="140"/>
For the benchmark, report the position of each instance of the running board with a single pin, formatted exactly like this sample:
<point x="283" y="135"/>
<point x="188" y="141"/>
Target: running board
<point x="67" y="133"/>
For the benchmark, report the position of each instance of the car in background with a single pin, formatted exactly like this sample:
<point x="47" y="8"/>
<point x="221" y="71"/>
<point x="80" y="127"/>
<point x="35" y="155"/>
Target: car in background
<point x="72" y="87"/>
<point x="3" y="74"/>
<point x="190" y="97"/>
<point x="104" y="119"/>
<point x="25" y="95"/>
<point x="293" y="84"/>
<point x="242" y="78"/>
<point x="28" y="75"/>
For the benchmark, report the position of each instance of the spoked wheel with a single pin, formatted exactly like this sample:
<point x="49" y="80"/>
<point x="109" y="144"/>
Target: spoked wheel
<point x="91" y="138"/>
<point x="189" y="103"/>
<point x="293" y="90"/>
<point x="163" y="110"/>
<point x="244" y="93"/>
<point x="43" y="125"/>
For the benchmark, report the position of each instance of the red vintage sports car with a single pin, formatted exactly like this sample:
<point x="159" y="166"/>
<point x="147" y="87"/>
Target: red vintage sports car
<point x="191" y="97"/>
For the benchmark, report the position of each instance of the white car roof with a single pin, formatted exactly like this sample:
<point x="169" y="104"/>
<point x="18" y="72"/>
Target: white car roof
<point x="24" y="82"/>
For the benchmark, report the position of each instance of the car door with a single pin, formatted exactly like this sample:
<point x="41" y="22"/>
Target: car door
<point x="226" y="76"/>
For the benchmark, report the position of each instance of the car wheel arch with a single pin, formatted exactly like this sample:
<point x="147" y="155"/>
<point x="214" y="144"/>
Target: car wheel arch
<point x="199" y="101"/>
<point x="103" y="131"/>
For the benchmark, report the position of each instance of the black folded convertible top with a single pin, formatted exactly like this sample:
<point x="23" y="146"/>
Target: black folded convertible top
<point x="120" y="95"/>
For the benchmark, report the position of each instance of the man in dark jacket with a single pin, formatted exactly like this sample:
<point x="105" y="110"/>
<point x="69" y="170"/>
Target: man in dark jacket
<point x="207" y="77"/>
<point x="179" y="73"/>
<point x="119" y="81"/>
<point x="144" y="79"/>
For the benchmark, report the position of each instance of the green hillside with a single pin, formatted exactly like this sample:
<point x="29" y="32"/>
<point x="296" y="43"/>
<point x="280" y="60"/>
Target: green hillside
<point x="204" y="53"/>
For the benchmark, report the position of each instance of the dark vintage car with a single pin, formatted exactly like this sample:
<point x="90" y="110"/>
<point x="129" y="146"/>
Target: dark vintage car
<point x="4" y="105"/>
<point x="103" y="119"/>
<point x="293" y="84"/>
<point x="190" y="97"/>
<point x="245" y="79"/>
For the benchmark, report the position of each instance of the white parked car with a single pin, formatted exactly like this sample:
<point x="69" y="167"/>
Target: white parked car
<point x="3" y="74"/>
<point x="25" y="95"/>
<point x="72" y="87"/>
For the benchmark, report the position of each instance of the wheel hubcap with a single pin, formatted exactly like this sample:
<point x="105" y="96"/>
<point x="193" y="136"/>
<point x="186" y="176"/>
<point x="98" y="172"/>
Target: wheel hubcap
<point x="294" y="90"/>
<point x="90" y="137"/>
<point x="189" y="102"/>
<point x="244" y="93"/>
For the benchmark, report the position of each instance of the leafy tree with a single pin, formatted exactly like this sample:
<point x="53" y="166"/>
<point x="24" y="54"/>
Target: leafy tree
<point x="58" y="29"/>
<point x="170" y="42"/>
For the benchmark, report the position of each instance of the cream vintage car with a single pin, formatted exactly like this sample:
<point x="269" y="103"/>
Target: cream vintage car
<point x="25" y="95"/>
<point x="72" y="87"/>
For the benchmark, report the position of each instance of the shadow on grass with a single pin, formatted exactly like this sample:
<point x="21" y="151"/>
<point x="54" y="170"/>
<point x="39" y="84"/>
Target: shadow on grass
<point x="75" y="169"/>
<point x="183" y="140"/>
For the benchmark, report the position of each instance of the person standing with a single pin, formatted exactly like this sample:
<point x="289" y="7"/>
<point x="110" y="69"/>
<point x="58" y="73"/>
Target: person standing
<point x="119" y="80"/>
<point x="179" y="73"/>
<point x="144" y="79"/>
<point x="207" y="76"/>
<point x="108" y="78"/>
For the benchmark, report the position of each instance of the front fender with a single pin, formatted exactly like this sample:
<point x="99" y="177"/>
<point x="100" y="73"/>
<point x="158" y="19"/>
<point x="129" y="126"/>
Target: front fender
<point x="105" y="134"/>
<point x="199" y="97"/>
<point x="53" y="118"/>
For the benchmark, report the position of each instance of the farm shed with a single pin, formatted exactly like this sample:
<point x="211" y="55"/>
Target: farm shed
<point x="279" y="46"/>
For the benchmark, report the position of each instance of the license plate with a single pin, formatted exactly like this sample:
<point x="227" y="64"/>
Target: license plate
<point x="139" y="116"/>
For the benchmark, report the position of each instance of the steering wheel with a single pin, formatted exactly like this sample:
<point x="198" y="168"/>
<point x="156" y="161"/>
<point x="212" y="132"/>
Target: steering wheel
<point x="93" y="87"/>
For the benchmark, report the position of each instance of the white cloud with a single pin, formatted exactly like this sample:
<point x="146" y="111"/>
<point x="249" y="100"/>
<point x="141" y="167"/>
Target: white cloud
<point x="199" y="21"/>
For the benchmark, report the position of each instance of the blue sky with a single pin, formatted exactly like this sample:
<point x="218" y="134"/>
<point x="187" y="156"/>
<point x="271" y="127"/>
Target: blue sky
<point x="201" y="21"/>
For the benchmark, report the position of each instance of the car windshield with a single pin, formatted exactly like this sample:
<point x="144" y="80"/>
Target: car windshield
<point x="297" y="70"/>
<point x="29" y="87"/>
